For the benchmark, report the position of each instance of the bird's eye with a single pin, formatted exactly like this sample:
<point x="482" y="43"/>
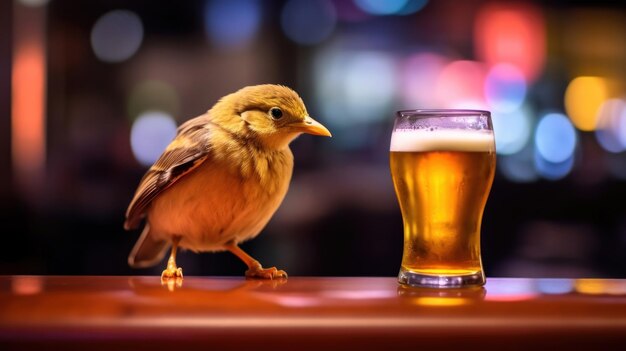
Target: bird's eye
<point x="276" y="113"/>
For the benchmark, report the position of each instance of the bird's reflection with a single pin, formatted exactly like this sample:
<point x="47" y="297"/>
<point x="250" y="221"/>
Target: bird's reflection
<point x="172" y="283"/>
<point x="441" y="297"/>
<point x="197" y="295"/>
<point x="144" y="284"/>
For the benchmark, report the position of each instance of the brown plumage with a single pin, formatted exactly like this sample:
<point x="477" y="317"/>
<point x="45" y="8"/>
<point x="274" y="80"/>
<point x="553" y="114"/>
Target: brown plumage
<point x="221" y="179"/>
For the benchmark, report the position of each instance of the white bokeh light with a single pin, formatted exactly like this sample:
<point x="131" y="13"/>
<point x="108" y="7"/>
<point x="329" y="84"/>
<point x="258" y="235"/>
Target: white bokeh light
<point x="370" y="82"/>
<point x="512" y="130"/>
<point x="354" y="88"/>
<point x="116" y="36"/>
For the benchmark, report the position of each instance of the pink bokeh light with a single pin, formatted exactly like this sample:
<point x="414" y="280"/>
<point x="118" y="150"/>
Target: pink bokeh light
<point x="512" y="33"/>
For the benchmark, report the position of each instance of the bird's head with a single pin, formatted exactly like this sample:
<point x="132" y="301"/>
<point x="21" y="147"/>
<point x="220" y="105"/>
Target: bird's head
<point x="273" y="114"/>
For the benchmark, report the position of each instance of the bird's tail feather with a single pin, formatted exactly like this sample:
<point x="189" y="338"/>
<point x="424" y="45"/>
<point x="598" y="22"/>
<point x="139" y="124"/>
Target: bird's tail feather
<point x="148" y="251"/>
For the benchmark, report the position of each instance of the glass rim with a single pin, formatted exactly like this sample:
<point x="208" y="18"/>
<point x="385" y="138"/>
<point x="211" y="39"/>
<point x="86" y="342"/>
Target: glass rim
<point x="443" y="113"/>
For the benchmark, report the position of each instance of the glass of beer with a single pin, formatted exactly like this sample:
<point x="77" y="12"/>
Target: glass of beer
<point x="442" y="164"/>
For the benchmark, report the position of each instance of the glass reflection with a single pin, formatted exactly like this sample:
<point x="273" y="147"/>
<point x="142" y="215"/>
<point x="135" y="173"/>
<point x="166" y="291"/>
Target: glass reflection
<point x="441" y="297"/>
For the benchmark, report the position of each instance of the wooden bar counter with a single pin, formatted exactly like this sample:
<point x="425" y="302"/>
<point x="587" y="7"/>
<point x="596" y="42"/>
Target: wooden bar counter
<point x="304" y="313"/>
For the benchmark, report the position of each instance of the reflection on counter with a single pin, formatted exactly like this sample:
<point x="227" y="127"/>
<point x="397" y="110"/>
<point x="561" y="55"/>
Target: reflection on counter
<point x="441" y="297"/>
<point x="26" y="285"/>
<point x="597" y="286"/>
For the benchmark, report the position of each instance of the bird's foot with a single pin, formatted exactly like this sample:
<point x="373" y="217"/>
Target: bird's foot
<point x="172" y="273"/>
<point x="259" y="272"/>
<point x="172" y="276"/>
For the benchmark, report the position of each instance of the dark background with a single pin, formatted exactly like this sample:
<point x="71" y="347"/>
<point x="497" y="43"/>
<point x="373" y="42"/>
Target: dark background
<point x="351" y="67"/>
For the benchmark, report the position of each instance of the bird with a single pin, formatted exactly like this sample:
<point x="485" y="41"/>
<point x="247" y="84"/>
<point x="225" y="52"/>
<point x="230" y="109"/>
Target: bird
<point x="220" y="180"/>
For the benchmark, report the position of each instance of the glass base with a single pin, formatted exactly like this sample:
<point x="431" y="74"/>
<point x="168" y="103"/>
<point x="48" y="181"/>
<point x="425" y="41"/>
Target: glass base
<point x="441" y="281"/>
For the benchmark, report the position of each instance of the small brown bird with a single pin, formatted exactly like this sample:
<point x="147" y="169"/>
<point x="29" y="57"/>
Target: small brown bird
<point x="221" y="179"/>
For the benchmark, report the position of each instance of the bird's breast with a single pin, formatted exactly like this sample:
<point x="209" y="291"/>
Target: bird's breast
<point x="222" y="200"/>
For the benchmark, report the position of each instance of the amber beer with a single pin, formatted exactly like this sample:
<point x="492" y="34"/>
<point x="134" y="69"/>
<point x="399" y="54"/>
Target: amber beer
<point x="442" y="179"/>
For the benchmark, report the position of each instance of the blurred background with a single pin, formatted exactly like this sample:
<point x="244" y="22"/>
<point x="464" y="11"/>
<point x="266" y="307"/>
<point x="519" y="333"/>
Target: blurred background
<point x="92" y="91"/>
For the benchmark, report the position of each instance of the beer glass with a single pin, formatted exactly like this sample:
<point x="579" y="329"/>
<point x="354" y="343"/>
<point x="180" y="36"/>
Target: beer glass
<point x="442" y="164"/>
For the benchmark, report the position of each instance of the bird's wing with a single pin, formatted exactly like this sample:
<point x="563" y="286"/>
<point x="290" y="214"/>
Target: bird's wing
<point x="186" y="152"/>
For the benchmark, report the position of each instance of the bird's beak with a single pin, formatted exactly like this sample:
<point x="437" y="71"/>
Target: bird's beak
<point x="311" y="126"/>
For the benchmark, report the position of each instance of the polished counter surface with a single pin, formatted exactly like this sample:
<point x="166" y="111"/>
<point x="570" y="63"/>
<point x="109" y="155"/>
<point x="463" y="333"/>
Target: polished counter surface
<point x="302" y="313"/>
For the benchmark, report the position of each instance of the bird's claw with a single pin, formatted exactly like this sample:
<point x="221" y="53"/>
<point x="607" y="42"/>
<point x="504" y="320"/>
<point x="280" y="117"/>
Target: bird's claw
<point x="265" y="273"/>
<point x="172" y="273"/>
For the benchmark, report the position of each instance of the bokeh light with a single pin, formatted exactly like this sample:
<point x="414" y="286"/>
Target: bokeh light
<point x="308" y="22"/>
<point x="505" y="88"/>
<point x="519" y="167"/>
<point x="460" y="85"/>
<point x="391" y="7"/>
<point x="419" y="76"/>
<point x="512" y="33"/>
<point x="412" y="6"/>
<point x="377" y="7"/>
<point x="553" y="170"/>
<point x="583" y="98"/>
<point x="153" y="95"/>
<point x="355" y="87"/>
<point x="370" y="83"/>
<point x="555" y="138"/>
<point x="512" y="130"/>
<point x="116" y="36"/>
<point x="232" y="23"/>
<point x="611" y="130"/>
<point x="151" y="132"/>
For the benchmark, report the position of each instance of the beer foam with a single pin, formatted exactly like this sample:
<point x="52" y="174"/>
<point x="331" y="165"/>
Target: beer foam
<point x="406" y="140"/>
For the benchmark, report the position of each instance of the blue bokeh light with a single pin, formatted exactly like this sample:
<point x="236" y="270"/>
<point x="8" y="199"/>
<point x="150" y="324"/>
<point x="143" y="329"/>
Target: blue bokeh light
<point x="553" y="170"/>
<point x="519" y="167"/>
<point x="308" y="22"/>
<point x="412" y="6"/>
<point x="150" y="134"/>
<point x="232" y="23"/>
<point x="512" y="130"/>
<point x="609" y="141"/>
<point x="555" y="138"/>
<point x="378" y="7"/>
<point x="505" y="88"/>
